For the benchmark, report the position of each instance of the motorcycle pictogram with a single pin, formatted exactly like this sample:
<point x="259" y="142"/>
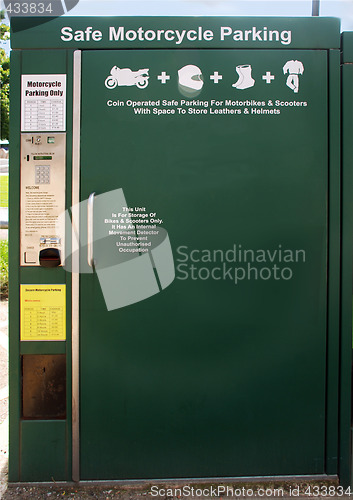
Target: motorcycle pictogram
<point x="125" y="77"/>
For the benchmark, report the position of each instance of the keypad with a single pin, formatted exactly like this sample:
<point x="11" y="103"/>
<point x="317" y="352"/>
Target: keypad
<point x="42" y="174"/>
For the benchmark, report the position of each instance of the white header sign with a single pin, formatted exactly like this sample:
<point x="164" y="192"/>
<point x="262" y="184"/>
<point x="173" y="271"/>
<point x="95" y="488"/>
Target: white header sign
<point x="43" y="103"/>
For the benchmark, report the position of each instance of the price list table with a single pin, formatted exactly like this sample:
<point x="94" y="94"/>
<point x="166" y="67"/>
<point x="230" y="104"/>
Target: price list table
<point x="44" y="114"/>
<point x="43" y="321"/>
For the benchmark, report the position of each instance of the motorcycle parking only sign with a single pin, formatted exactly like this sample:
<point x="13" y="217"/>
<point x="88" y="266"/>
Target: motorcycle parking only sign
<point x="43" y="103"/>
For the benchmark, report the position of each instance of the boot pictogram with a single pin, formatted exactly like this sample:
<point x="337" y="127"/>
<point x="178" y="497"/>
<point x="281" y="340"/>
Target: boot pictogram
<point x="245" y="79"/>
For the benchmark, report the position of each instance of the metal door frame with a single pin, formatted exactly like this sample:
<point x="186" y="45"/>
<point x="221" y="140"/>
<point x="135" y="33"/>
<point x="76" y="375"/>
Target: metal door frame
<point x="76" y="143"/>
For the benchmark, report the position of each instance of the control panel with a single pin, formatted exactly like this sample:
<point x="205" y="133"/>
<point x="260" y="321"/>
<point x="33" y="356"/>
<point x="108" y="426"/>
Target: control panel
<point x="42" y="199"/>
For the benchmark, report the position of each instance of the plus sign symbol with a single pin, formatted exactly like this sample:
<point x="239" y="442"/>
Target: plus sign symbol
<point x="268" y="77"/>
<point x="163" y="77"/>
<point x="216" y="77"/>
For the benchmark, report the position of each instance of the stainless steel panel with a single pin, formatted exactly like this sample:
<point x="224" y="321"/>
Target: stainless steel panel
<point x="43" y="159"/>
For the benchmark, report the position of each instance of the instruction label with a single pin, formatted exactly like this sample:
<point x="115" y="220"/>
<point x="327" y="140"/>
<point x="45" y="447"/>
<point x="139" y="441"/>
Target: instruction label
<point x="43" y="312"/>
<point x="43" y="103"/>
<point x="199" y="107"/>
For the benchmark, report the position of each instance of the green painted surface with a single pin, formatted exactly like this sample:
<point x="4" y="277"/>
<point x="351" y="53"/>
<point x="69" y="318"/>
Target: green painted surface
<point x="347" y="47"/>
<point x="321" y="33"/>
<point x="333" y="313"/>
<point x="14" y="271"/>
<point x="69" y="63"/>
<point x="209" y="378"/>
<point x="43" y="347"/>
<point x="43" y="451"/>
<point x="345" y="449"/>
<point x="20" y="465"/>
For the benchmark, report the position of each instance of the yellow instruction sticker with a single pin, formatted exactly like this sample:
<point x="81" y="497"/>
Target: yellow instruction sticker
<point x="43" y="312"/>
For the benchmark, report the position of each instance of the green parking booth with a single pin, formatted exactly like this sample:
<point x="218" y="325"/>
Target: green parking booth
<point x="180" y="248"/>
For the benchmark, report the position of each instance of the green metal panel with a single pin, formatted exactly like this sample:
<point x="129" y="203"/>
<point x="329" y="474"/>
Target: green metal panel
<point x="334" y="216"/>
<point x="345" y="450"/>
<point x="69" y="70"/>
<point x="347" y="47"/>
<point x="209" y="368"/>
<point x="321" y="33"/>
<point x="14" y="269"/>
<point x="50" y="61"/>
<point x="246" y="373"/>
<point x="43" y="347"/>
<point x="43" y="451"/>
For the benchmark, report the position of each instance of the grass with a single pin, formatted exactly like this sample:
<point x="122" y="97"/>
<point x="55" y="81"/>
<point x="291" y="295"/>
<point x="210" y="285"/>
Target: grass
<point x="4" y="269"/>
<point x="4" y="190"/>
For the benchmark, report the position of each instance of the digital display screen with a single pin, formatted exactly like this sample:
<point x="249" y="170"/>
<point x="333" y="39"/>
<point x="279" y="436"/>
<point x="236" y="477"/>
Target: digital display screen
<point x="42" y="157"/>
